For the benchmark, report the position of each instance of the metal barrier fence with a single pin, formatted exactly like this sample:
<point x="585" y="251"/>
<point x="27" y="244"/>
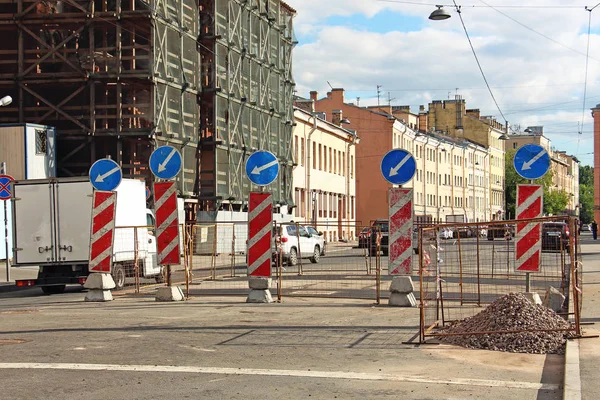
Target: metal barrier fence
<point x="135" y="260"/>
<point x="464" y="267"/>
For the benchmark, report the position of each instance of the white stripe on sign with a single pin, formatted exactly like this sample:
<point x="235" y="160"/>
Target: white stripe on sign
<point x="103" y="206"/>
<point x="259" y="261"/>
<point x="359" y="376"/>
<point x="264" y="231"/>
<point x="259" y="208"/>
<point x="174" y="243"/>
<point x="100" y="257"/>
<point x="169" y="221"/>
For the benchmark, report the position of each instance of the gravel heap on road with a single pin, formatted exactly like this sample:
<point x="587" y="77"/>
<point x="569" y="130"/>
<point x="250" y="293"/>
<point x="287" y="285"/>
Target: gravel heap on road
<point x="511" y="312"/>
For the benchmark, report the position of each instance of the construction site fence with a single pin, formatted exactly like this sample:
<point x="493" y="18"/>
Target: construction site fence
<point x="465" y="267"/>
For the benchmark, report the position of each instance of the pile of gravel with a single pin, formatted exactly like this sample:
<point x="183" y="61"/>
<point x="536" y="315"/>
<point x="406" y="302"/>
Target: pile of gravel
<point x="511" y="312"/>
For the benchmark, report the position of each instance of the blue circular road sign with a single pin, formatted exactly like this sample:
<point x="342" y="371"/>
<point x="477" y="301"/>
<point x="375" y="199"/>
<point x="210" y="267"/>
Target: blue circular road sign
<point x="398" y="166"/>
<point x="105" y="175"/>
<point x="531" y="161"/>
<point x="5" y="192"/>
<point x="165" y="162"/>
<point x="262" y="168"/>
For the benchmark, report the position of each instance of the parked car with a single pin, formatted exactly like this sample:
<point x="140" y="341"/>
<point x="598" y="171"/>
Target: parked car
<point x="379" y="230"/>
<point x="586" y="228"/>
<point x="294" y="244"/>
<point x="501" y="232"/>
<point x="555" y="235"/>
<point x="463" y="232"/>
<point x="363" y="238"/>
<point x="446" y="233"/>
<point x="320" y="238"/>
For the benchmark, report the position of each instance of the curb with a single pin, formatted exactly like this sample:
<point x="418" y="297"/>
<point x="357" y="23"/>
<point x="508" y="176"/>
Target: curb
<point x="572" y="378"/>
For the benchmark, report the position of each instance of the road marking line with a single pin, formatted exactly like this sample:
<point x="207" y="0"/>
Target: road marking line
<point x="362" y="376"/>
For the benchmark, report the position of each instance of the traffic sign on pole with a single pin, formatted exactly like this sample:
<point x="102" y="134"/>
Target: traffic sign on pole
<point x="5" y="192"/>
<point x="260" y="227"/>
<point x="530" y="204"/>
<point x="401" y="226"/>
<point x="105" y="175"/>
<point x="103" y="230"/>
<point x="167" y="223"/>
<point x="262" y="168"/>
<point x="398" y="166"/>
<point x="531" y="161"/>
<point x="165" y="162"/>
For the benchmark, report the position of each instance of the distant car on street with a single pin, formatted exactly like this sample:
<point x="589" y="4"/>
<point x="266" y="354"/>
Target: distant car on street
<point x="295" y="242"/>
<point x="555" y="236"/>
<point x="379" y="231"/>
<point x="586" y="228"/>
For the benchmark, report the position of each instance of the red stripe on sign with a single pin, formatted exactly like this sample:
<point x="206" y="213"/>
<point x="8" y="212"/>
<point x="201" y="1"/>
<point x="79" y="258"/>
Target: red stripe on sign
<point x="172" y="257"/>
<point x="533" y="211"/>
<point x="167" y="236"/>
<point x="528" y="241"/>
<point x="264" y="218"/>
<point x="104" y="218"/>
<point x="102" y="266"/>
<point x="259" y="249"/>
<point x="532" y="263"/>
<point x="101" y="197"/>
<point x="401" y="217"/>
<point x="166" y="210"/>
<point x="404" y="268"/>
<point x="400" y="246"/>
<point x="102" y="244"/>
<point x="525" y="192"/>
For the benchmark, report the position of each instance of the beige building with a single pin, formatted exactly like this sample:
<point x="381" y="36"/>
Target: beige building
<point x="486" y="164"/>
<point x="324" y="175"/>
<point x="565" y="168"/>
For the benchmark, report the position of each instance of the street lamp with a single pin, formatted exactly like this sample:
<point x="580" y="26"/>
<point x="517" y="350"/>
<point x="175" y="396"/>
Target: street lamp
<point x="6" y="100"/>
<point x="440" y="14"/>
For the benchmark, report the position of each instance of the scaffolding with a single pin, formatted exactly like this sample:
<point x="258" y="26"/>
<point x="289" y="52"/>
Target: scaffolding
<point x="246" y="101"/>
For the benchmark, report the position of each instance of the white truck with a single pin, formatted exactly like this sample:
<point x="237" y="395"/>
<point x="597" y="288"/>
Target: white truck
<point x="52" y="224"/>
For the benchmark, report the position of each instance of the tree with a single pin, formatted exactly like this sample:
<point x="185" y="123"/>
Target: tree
<point x="555" y="201"/>
<point x="586" y="194"/>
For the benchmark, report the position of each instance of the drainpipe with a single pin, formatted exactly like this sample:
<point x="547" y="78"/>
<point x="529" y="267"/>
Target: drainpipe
<point x="308" y="167"/>
<point x="437" y="177"/>
<point x="487" y="185"/>
<point x="451" y="178"/>
<point x="425" y="179"/>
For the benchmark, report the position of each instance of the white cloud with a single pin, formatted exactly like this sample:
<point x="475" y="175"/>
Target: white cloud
<point x="525" y="70"/>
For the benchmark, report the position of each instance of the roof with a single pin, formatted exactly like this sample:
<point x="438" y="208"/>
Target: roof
<point x="288" y="7"/>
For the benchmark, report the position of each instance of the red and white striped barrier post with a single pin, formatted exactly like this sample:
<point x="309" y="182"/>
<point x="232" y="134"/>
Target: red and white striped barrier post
<point x="260" y="233"/>
<point x="167" y="236"/>
<point x="99" y="282"/>
<point x="528" y="247"/>
<point x="401" y="247"/>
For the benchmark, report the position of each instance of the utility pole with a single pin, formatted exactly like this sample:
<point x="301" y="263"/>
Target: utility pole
<point x="378" y="94"/>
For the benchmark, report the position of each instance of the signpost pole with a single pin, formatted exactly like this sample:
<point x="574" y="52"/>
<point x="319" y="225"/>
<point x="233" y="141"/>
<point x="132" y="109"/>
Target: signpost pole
<point x="528" y="274"/>
<point x="3" y="172"/>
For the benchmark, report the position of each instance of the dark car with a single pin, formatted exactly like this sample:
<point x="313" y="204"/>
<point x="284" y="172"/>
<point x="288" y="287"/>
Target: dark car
<point x="363" y="238"/>
<point x="379" y="231"/>
<point x="501" y="232"/>
<point x="555" y="235"/>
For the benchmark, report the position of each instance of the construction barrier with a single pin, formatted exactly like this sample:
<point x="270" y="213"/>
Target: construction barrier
<point x="465" y="267"/>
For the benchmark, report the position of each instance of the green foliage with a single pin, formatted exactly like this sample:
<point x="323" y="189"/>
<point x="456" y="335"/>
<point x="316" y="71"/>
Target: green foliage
<point x="586" y="194"/>
<point x="555" y="201"/>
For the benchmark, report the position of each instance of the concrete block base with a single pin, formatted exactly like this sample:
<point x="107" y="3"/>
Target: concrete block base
<point x="402" y="300"/>
<point x="169" y="293"/>
<point x="101" y="281"/>
<point x="533" y="297"/>
<point x="554" y="299"/>
<point x="259" y="296"/>
<point x="97" y="295"/>
<point x="402" y="284"/>
<point x="259" y="283"/>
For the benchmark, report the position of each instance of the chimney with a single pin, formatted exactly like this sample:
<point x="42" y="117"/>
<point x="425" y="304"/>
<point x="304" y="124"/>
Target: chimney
<point x="337" y="95"/>
<point x="336" y="117"/>
<point x="314" y="95"/>
<point x="421" y="108"/>
<point x="474" y="112"/>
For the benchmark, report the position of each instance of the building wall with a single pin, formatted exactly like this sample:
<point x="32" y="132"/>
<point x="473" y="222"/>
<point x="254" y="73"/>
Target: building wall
<point x="596" y="115"/>
<point x="324" y="177"/>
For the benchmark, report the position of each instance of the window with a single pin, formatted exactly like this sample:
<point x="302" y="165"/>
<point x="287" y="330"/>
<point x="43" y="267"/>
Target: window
<point x="325" y="158"/>
<point x="335" y="169"/>
<point x="296" y="148"/>
<point x="330" y="160"/>
<point x="302" y="151"/>
<point x="339" y="162"/>
<point x="314" y="155"/>
<point x="41" y="138"/>
<point x="352" y="167"/>
<point x="320" y="158"/>
<point x="352" y="206"/>
<point x="344" y="164"/>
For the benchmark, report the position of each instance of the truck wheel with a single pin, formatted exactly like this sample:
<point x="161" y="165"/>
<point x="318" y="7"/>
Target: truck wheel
<point x="118" y="275"/>
<point x="56" y="289"/>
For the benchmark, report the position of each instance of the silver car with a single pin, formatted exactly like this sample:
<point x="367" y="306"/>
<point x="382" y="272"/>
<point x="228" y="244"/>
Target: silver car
<point x="296" y="241"/>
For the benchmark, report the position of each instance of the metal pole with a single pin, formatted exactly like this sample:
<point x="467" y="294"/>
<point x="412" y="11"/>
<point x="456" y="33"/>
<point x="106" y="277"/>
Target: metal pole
<point x="4" y="172"/>
<point x="527" y="275"/>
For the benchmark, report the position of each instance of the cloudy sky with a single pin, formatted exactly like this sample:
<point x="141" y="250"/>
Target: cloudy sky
<point x="532" y="52"/>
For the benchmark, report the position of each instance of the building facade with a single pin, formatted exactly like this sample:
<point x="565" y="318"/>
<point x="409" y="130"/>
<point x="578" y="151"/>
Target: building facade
<point x="452" y="176"/>
<point x="565" y="167"/>
<point x="596" y="115"/>
<point x="324" y="176"/>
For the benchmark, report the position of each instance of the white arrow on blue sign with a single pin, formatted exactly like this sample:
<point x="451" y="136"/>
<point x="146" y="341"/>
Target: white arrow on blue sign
<point x="105" y="175"/>
<point x="398" y="166"/>
<point x="531" y="161"/>
<point x="262" y="168"/>
<point x="165" y="162"/>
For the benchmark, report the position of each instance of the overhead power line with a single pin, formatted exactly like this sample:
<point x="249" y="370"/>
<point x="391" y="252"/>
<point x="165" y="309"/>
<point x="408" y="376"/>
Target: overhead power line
<point x="549" y="6"/>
